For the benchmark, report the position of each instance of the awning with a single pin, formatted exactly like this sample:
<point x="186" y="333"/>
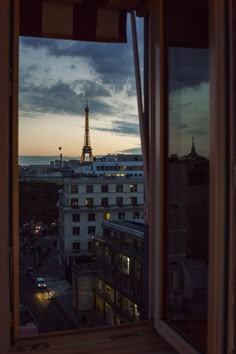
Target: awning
<point x="85" y="20"/>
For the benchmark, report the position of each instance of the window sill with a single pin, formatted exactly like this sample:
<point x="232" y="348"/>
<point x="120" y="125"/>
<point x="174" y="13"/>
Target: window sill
<point x="129" y="338"/>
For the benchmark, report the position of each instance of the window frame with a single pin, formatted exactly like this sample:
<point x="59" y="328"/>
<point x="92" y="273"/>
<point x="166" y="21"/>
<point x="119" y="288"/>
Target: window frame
<point x="9" y="33"/>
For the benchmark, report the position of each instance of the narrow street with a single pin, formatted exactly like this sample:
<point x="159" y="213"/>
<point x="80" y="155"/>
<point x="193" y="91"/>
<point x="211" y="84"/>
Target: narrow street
<point x="48" y="316"/>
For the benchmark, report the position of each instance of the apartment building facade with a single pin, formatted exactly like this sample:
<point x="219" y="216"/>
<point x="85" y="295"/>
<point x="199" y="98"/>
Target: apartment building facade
<point x="112" y="283"/>
<point x="85" y="202"/>
<point x="119" y="280"/>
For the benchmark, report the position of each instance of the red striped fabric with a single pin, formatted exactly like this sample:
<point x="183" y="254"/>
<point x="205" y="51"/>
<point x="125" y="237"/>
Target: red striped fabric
<point x="56" y="19"/>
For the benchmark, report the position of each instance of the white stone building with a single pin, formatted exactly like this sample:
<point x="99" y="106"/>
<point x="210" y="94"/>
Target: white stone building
<point x="85" y="202"/>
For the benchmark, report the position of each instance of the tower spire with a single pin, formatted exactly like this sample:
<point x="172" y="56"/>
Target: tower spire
<point x="87" y="145"/>
<point x="193" y="150"/>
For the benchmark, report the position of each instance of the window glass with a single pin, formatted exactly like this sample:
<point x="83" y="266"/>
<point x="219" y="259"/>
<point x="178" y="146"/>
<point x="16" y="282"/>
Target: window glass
<point x="104" y="188"/>
<point x="119" y="188"/>
<point x="74" y="203"/>
<point x="75" y="217"/>
<point x="89" y="202"/>
<point x="121" y="215"/>
<point x="133" y="187"/>
<point x="89" y="188"/>
<point x="91" y="217"/>
<point x="187" y="167"/>
<point x="74" y="188"/>
<point x="76" y="230"/>
<point x="91" y="229"/>
<point x="104" y="202"/>
<point x="119" y="201"/>
<point x="76" y="246"/>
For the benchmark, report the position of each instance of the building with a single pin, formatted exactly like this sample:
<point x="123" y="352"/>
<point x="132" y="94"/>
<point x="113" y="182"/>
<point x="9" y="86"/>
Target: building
<point x="85" y="202"/>
<point x="112" y="283"/>
<point x="118" y="165"/>
<point x="119" y="279"/>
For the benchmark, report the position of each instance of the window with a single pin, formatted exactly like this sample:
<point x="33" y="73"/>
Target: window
<point x="133" y="201"/>
<point x="75" y="217"/>
<point x="119" y="188"/>
<point x="121" y="215"/>
<point x="76" y="231"/>
<point x="89" y="202"/>
<point x="74" y="203"/>
<point x="91" y="217"/>
<point x="104" y="188"/>
<point x="154" y="162"/>
<point x="136" y="215"/>
<point x="90" y="245"/>
<point x="91" y="230"/>
<point x="107" y="215"/>
<point x="133" y="188"/>
<point x="104" y="202"/>
<point x="74" y="188"/>
<point x="119" y="201"/>
<point x="89" y="188"/>
<point x="76" y="246"/>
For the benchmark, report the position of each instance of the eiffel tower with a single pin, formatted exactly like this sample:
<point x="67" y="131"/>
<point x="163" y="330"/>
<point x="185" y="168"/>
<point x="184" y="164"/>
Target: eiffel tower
<point x="87" y="145"/>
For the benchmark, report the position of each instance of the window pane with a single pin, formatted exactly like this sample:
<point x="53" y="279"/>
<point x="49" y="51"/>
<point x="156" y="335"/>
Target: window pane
<point x="187" y="199"/>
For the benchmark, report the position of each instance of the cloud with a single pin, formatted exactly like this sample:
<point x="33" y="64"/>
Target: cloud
<point x="121" y="128"/>
<point x="59" y="98"/>
<point x="113" y="63"/>
<point x="91" y="88"/>
<point x="188" y="67"/>
<point x="132" y="151"/>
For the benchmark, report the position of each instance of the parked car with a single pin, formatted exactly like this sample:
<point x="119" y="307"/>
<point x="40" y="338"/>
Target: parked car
<point x="41" y="283"/>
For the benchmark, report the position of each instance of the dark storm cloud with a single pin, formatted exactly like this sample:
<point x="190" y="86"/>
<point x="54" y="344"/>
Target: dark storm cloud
<point x="59" y="98"/>
<point x="188" y="67"/>
<point x="121" y="128"/>
<point x="113" y="62"/>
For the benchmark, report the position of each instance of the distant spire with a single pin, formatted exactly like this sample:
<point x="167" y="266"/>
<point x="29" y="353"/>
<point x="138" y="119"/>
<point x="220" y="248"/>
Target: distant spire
<point x="86" y="107"/>
<point x="193" y="150"/>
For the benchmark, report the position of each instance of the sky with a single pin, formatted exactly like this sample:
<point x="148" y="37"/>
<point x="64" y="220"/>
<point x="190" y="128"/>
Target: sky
<point x="56" y="77"/>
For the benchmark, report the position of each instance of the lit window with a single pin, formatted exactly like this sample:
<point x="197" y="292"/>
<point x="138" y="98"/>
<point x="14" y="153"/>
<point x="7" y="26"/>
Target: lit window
<point x="89" y="202"/>
<point x="107" y="215"/>
<point x="133" y="187"/>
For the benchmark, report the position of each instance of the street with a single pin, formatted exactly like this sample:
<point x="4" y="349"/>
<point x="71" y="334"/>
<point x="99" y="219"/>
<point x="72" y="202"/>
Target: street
<point x="48" y="315"/>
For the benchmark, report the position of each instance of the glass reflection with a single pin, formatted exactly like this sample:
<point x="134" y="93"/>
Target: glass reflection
<point x="188" y="193"/>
